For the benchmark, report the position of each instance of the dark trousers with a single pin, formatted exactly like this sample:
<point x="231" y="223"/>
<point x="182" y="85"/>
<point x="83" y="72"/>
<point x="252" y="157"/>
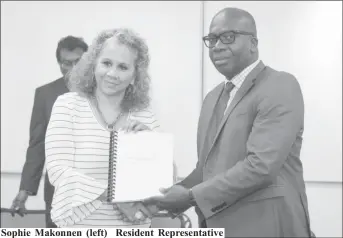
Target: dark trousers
<point x="202" y="224"/>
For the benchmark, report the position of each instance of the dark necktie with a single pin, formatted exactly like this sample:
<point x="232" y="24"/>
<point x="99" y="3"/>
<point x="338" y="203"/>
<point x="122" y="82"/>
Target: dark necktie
<point x="217" y="116"/>
<point x="222" y="102"/>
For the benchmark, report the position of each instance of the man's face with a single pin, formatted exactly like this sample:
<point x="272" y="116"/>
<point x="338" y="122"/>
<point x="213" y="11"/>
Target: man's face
<point x="68" y="58"/>
<point x="229" y="59"/>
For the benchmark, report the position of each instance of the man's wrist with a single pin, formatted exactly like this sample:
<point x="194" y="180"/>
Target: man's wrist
<point x="191" y="198"/>
<point x="29" y="193"/>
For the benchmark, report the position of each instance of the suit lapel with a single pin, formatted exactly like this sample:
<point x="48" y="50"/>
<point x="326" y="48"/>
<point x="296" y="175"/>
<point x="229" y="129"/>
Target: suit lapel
<point x="243" y="90"/>
<point x="209" y="113"/>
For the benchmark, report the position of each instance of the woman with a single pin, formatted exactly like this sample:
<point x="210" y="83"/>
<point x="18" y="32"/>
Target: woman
<point x="109" y="91"/>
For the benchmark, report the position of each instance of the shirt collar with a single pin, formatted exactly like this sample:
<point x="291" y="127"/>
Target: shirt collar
<point x="239" y="78"/>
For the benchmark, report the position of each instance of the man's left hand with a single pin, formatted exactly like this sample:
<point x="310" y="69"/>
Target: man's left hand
<point x="175" y="198"/>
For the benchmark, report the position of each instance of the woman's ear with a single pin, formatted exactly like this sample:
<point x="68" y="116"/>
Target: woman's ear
<point x="134" y="80"/>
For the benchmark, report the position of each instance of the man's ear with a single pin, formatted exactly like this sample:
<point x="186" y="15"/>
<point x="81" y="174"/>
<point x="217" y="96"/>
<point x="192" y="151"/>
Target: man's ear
<point x="254" y="44"/>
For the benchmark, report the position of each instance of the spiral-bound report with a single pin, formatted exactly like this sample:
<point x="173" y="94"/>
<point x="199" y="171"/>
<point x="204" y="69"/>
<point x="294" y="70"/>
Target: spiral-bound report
<point x="139" y="165"/>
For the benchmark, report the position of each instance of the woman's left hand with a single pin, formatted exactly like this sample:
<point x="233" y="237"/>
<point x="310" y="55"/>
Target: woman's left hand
<point x="135" y="126"/>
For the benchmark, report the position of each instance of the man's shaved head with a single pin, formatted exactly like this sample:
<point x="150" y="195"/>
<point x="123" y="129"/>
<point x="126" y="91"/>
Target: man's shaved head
<point x="232" y="41"/>
<point x="243" y="20"/>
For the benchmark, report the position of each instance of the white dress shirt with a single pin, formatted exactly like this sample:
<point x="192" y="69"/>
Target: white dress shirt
<point x="238" y="81"/>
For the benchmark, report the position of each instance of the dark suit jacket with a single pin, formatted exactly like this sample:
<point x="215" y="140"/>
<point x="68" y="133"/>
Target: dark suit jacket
<point x="249" y="180"/>
<point x="45" y="97"/>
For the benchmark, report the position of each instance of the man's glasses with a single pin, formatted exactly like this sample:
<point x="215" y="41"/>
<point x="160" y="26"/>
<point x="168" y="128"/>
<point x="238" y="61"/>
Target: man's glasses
<point x="226" y="38"/>
<point x="68" y="63"/>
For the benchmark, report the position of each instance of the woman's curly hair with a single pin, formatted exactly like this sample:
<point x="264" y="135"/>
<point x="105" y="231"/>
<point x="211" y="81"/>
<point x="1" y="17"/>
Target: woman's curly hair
<point x="81" y="78"/>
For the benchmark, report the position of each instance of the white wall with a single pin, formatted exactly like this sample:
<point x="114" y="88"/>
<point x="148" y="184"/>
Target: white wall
<point x="325" y="206"/>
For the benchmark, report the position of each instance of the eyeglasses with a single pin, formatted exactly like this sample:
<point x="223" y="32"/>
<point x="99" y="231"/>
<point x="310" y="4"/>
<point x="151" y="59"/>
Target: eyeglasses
<point x="226" y="38"/>
<point x="69" y="63"/>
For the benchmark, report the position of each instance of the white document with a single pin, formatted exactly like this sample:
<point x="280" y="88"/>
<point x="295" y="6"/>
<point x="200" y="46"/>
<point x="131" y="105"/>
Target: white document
<point x="144" y="164"/>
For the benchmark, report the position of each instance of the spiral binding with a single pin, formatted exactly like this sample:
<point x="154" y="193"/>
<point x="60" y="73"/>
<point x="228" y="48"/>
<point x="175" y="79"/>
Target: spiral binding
<point x="112" y="166"/>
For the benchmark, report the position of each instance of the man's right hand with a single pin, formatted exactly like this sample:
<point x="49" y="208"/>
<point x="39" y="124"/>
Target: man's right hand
<point x="18" y="204"/>
<point x="173" y="212"/>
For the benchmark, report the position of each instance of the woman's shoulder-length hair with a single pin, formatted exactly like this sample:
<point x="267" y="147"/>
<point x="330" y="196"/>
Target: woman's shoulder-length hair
<point x="81" y="77"/>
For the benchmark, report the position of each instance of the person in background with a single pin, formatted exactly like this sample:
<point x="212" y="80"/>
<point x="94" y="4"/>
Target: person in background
<point x="249" y="176"/>
<point x="69" y="51"/>
<point x="110" y="91"/>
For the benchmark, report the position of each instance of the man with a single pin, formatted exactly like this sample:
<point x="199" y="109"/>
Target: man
<point x="69" y="51"/>
<point x="249" y="177"/>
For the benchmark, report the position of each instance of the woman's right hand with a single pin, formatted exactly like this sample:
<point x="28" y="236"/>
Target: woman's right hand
<point x="135" y="126"/>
